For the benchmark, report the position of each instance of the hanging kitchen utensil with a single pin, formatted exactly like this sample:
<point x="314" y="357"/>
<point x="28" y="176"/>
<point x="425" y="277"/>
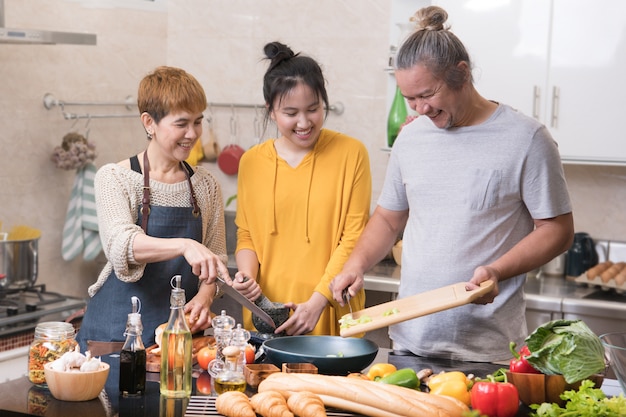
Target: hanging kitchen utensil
<point x="211" y="147"/>
<point x="228" y="160"/>
<point x="392" y="312"/>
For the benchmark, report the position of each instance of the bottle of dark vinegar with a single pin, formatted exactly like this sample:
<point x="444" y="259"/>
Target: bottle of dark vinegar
<point x="133" y="355"/>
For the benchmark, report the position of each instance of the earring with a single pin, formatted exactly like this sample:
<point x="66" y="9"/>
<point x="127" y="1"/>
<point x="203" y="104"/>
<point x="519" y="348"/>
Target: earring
<point x="149" y="133"/>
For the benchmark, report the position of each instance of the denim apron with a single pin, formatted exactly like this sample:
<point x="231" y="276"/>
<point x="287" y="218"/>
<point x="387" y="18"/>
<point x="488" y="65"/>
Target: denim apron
<point x="107" y="311"/>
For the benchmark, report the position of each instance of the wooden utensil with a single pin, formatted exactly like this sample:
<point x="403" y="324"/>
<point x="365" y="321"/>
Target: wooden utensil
<point x="392" y="312"/>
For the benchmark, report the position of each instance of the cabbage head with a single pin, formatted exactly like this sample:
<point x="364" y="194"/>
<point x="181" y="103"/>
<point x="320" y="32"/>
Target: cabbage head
<point x="566" y="347"/>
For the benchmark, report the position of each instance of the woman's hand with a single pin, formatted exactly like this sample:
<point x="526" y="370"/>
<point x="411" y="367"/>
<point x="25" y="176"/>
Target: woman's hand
<point x="198" y="308"/>
<point x="247" y="286"/>
<point x="305" y="316"/>
<point x="204" y="264"/>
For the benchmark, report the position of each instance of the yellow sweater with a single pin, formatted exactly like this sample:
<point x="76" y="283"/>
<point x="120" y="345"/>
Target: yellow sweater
<point x="303" y="222"/>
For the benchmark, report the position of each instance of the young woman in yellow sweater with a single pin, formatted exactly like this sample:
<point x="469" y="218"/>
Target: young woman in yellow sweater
<point x="302" y="200"/>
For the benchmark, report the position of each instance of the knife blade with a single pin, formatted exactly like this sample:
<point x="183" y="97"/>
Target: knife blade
<point x="244" y="301"/>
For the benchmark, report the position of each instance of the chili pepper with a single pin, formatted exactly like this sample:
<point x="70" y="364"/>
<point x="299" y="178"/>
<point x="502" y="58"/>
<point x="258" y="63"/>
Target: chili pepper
<point x="405" y="377"/>
<point x="495" y="399"/>
<point x="380" y="370"/>
<point x="453" y="384"/>
<point x="519" y="364"/>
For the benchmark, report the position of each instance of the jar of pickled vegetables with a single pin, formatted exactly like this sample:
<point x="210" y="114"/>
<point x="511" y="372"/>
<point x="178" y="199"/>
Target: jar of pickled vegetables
<point x="52" y="340"/>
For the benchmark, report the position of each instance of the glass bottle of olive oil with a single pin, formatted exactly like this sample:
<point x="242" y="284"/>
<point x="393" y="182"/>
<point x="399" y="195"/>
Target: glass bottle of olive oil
<point x="176" y="346"/>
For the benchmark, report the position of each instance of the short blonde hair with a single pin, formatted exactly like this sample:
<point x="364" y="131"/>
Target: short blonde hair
<point x="169" y="89"/>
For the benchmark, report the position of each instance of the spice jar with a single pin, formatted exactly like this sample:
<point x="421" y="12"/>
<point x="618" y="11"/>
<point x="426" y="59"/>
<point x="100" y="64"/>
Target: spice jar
<point x="52" y="340"/>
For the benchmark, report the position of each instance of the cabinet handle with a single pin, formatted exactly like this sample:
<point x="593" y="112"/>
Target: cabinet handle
<point x="536" y="101"/>
<point x="556" y="95"/>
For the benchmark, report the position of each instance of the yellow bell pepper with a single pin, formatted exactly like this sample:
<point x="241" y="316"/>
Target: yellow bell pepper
<point x="380" y="370"/>
<point x="453" y="384"/>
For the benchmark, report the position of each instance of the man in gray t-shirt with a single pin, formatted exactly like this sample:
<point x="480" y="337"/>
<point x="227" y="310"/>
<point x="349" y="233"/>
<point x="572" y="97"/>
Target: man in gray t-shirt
<point x="478" y="191"/>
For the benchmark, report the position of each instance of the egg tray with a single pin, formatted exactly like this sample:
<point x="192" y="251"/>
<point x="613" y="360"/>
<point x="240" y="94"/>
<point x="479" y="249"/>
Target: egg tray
<point x="607" y="275"/>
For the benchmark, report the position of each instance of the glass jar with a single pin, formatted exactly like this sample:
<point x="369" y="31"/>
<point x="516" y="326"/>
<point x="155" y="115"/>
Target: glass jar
<point x="52" y="340"/>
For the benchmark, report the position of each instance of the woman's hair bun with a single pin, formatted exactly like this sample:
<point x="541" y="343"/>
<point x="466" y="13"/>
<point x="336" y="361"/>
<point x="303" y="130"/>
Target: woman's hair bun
<point x="277" y="52"/>
<point x="430" y="18"/>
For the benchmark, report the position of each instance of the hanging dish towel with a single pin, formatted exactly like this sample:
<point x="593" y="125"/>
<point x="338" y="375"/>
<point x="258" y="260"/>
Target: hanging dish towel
<point x="80" y="232"/>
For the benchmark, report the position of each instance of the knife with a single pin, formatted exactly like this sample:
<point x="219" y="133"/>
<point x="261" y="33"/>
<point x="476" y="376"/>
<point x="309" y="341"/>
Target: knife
<point x="244" y="301"/>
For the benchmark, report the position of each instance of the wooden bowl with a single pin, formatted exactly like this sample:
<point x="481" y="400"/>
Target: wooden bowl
<point x="76" y="385"/>
<point x="255" y="373"/>
<point x="299" y="368"/>
<point x="540" y="388"/>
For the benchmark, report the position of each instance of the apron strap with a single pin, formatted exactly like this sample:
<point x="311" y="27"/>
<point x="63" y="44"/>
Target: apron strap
<point x="145" y="201"/>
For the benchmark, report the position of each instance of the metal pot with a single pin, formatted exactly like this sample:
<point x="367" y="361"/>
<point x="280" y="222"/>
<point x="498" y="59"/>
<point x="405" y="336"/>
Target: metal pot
<point x="19" y="263"/>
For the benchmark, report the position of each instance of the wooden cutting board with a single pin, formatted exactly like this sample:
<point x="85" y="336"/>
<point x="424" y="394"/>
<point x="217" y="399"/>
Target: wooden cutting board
<point x="153" y="354"/>
<point x="392" y="312"/>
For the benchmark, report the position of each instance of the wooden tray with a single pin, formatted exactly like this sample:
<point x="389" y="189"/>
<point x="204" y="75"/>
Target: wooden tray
<point x="415" y="306"/>
<point x="153" y="359"/>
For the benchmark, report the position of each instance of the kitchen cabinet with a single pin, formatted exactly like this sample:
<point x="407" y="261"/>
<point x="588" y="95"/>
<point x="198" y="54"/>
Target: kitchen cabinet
<point x="558" y="61"/>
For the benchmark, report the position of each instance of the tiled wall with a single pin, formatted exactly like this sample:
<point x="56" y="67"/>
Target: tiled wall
<point x="221" y="43"/>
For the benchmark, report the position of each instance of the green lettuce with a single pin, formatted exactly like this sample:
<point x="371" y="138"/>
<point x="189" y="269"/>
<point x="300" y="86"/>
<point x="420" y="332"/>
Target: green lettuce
<point x="566" y="347"/>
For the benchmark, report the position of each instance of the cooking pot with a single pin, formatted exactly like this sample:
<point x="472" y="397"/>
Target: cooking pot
<point x="332" y="355"/>
<point x="19" y="262"/>
<point x="581" y="255"/>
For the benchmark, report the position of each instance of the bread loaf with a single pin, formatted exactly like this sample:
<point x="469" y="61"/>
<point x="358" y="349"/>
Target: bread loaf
<point x="365" y="397"/>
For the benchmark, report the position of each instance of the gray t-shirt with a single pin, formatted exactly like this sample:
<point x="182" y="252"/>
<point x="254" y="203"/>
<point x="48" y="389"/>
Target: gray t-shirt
<point x="473" y="193"/>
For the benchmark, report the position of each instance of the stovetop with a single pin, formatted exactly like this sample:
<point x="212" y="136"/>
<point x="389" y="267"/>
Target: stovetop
<point x="21" y="309"/>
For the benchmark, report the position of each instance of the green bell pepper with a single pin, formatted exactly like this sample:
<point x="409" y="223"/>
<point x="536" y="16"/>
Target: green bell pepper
<point x="405" y="377"/>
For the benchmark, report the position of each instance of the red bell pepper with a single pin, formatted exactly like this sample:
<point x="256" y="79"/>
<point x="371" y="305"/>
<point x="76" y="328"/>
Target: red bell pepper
<point x="519" y="364"/>
<point x="495" y="399"/>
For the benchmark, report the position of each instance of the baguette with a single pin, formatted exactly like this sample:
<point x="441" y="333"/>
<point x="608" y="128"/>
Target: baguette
<point x="361" y="409"/>
<point x="357" y="393"/>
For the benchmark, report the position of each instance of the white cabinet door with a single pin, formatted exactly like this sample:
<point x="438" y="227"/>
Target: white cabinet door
<point x="508" y="45"/>
<point x="559" y="61"/>
<point x="588" y="57"/>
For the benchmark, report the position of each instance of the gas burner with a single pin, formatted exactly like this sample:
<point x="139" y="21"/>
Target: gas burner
<point x="21" y="309"/>
<point x="10" y="306"/>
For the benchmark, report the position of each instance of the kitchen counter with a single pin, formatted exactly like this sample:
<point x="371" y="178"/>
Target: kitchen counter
<point x="21" y="398"/>
<point x="547" y="298"/>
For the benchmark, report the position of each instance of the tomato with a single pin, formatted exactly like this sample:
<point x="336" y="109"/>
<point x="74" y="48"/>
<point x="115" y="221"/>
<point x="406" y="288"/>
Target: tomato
<point x="250" y="352"/>
<point x="205" y="356"/>
<point x="203" y="383"/>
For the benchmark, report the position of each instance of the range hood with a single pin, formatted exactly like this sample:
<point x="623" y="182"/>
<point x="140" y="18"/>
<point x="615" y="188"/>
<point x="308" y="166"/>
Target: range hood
<point x="41" y="37"/>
